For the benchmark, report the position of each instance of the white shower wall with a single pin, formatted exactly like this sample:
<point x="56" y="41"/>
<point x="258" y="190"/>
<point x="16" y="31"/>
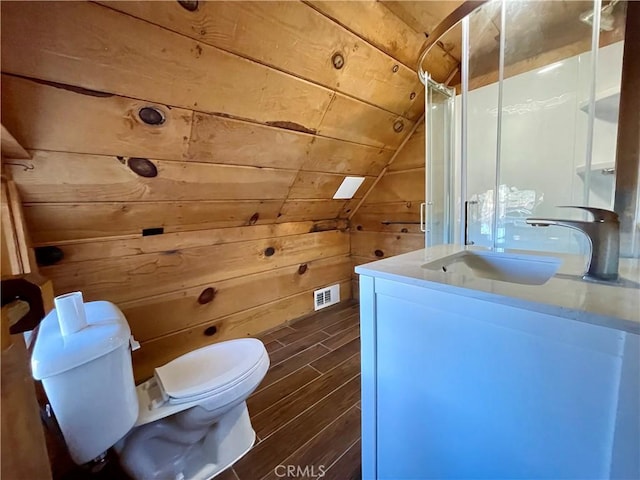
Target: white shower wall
<point x="543" y="149"/>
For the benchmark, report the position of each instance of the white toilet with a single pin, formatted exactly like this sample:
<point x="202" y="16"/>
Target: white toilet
<point x="190" y="421"/>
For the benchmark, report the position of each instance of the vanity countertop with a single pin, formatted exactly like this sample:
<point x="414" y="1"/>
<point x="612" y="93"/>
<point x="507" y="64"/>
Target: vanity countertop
<point x="565" y="295"/>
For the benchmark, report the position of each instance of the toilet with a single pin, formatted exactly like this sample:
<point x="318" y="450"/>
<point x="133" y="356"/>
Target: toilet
<point x="188" y="422"/>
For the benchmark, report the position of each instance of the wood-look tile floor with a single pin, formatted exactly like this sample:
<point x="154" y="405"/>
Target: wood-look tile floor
<point x="306" y="411"/>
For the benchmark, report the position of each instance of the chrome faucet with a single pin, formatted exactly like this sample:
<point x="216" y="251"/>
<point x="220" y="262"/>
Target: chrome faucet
<point x="604" y="235"/>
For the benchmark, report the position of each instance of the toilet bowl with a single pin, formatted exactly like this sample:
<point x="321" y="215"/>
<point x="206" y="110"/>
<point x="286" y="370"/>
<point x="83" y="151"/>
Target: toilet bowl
<point x="189" y="421"/>
<point x="192" y="416"/>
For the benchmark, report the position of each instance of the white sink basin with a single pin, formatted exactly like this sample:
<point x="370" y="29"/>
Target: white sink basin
<point x="506" y="267"/>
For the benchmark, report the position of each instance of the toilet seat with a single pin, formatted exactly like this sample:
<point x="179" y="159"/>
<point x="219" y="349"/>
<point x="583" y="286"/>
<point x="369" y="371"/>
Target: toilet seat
<point x="208" y="370"/>
<point x="215" y="375"/>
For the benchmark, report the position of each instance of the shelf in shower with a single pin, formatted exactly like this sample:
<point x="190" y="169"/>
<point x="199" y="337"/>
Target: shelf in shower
<point x="602" y="168"/>
<point x="607" y="105"/>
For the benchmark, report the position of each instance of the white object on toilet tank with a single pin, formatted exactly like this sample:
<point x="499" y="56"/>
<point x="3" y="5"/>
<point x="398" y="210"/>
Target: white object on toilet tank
<point x="88" y="378"/>
<point x="71" y="314"/>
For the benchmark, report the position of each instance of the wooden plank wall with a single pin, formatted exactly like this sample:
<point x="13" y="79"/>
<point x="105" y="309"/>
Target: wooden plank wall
<point x="259" y="130"/>
<point x="395" y="198"/>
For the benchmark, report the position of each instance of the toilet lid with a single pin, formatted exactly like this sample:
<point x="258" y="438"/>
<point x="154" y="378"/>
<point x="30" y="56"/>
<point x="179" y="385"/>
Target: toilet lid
<point x="211" y="368"/>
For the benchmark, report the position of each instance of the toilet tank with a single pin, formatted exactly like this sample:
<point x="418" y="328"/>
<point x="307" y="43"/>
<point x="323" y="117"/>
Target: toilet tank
<point x="88" y="378"/>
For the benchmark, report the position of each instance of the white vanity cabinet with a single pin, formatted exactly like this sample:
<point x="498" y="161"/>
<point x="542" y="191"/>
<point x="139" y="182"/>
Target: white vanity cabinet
<point x="458" y="385"/>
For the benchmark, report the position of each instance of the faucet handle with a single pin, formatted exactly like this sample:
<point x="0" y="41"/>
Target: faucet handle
<point x="599" y="214"/>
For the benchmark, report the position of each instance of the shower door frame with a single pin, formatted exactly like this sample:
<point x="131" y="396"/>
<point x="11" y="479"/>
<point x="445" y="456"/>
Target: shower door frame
<point x="427" y="216"/>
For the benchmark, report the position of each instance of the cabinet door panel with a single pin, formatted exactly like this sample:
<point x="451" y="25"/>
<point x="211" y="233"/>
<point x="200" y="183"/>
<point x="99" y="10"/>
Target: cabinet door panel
<point x="458" y="397"/>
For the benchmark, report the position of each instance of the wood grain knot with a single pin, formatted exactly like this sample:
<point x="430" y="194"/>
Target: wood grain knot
<point x="379" y="253"/>
<point x="337" y="60"/>
<point x="207" y="295"/>
<point x="254" y="218"/>
<point x="152" y="115"/>
<point x="210" y="331"/>
<point x="190" y="5"/>
<point x="302" y="269"/>
<point x="359" y="228"/>
<point x="143" y="167"/>
<point x="50" y="255"/>
<point x="269" y="251"/>
<point x="404" y="230"/>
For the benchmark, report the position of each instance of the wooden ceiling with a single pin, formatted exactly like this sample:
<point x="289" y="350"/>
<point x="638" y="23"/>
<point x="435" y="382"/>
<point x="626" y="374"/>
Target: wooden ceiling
<point x="423" y="17"/>
<point x="256" y="113"/>
<point x="260" y="124"/>
<point x="537" y="34"/>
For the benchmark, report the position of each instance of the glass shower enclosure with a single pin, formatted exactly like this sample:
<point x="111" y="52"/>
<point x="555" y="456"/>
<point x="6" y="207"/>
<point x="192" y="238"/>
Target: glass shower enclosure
<point x="531" y="126"/>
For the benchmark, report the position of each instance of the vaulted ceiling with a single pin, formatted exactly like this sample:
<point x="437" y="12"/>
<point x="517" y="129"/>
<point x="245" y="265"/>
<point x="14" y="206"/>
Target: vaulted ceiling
<point x="266" y="106"/>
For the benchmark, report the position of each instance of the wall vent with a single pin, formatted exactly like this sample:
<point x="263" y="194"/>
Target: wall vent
<point x="326" y="296"/>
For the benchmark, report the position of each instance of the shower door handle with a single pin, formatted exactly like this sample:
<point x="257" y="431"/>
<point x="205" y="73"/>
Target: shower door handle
<point x="466" y="221"/>
<point x="423" y="225"/>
